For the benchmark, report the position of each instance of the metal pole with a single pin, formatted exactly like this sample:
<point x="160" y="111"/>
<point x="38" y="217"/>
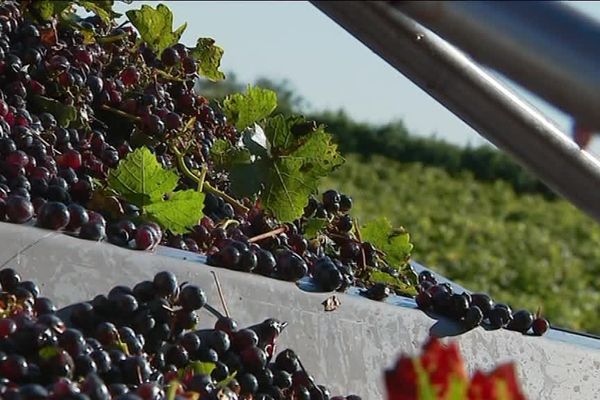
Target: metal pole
<point x="546" y="46"/>
<point x="473" y="95"/>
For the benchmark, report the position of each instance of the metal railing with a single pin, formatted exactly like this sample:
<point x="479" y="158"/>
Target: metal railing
<point x="462" y="86"/>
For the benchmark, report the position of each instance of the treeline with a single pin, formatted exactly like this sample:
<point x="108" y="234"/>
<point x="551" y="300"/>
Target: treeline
<point x="394" y="141"/>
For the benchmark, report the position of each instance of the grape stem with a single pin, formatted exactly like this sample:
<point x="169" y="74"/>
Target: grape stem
<point x="229" y="222"/>
<point x="121" y="113"/>
<point x="362" y="249"/>
<point x="223" y="303"/>
<point x="41" y="139"/>
<point x="213" y="311"/>
<point x="269" y="234"/>
<point x="310" y="378"/>
<point x="205" y="186"/>
<point x="239" y="207"/>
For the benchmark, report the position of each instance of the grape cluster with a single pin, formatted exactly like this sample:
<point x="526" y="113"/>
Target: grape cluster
<point x="330" y="261"/>
<point x="474" y="309"/>
<point x="136" y="343"/>
<point x="51" y="167"/>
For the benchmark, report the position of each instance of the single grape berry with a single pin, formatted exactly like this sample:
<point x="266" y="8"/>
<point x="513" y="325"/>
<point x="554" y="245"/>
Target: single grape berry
<point x="226" y="325"/>
<point x="18" y="209"/>
<point x="326" y="275"/>
<point x="7" y="327"/>
<point x="483" y="301"/>
<point x="78" y="216"/>
<point x="145" y="238"/>
<point x="540" y="326"/>
<point x="130" y="76"/>
<point x="287" y="361"/>
<point x="165" y="284"/>
<point x="521" y="321"/>
<point x="53" y="215"/>
<point x="170" y="56"/>
<point x="378" y="291"/>
<point x="92" y="231"/>
<point x="473" y="317"/>
<point x="291" y="267"/>
<point x="9" y="279"/>
<point x="345" y="203"/>
<point x="500" y="316"/>
<point x="191" y="298"/>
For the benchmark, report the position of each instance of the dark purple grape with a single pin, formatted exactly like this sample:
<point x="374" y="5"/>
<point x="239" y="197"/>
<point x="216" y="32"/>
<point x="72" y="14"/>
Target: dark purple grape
<point x="266" y="263"/>
<point x="165" y="284"/>
<point x="521" y="321"/>
<point x="9" y="279"/>
<point x="170" y="57"/>
<point x="500" y="316"/>
<point x="291" y="267"/>
<point x="287" y="361"/>
<point x="254" y="359"/>
<point x="248" y="383"/>
<point x="92" y="231"/>
<point x="483" y="301"/>
<point x="18" y="209"/>
<point x="326" y="275"/>
<point x="191" y="298"/>
<point x="145" y="238"/>
<point x="53" y="215"/>
<point x="473" y="317"/>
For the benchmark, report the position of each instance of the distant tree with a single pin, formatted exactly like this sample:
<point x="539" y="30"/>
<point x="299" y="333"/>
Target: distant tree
<point x="287" y="98"/>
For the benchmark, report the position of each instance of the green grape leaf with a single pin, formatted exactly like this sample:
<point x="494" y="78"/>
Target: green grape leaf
<point x="279" y="131"/>
<point x="156" y="26"/>
<point x="406" y="289"/>
<point x="223" y="383"/>
<point x="202" y="368"/>
<point x="313" y="226"/>
<point x="223" y="154"/>
<point x="245" y="109"/>
<point x="173" y="388"/>
<point x="181" y="211"/>
<point x="140" y="179"/>
<point x="208" y="56"/>
<point x="395" y="243"/>
<point x="102" y="8"/>
<point x="297" y="165"/>
<point x="247" y="179"/>
<point x="64" y="114"/>
<point x="121" y="345"/>
<point x="290" y="172"/>
<point x="47" y="9"/>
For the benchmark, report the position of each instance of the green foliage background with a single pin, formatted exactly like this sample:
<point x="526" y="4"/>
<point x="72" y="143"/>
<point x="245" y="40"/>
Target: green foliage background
<point x="522" y="249"/>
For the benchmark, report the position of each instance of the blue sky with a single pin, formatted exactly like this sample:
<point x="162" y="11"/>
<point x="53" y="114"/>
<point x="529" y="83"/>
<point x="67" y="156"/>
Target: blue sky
<point x="324" y="63"/>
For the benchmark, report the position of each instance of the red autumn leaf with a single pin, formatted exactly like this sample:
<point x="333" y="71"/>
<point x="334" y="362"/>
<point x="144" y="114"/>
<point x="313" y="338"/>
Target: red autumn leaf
<point x="401" y="382"/>
<point x="443" y="363"/>
<point x="444" y="366"/>
<point x="489" y="386"/>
